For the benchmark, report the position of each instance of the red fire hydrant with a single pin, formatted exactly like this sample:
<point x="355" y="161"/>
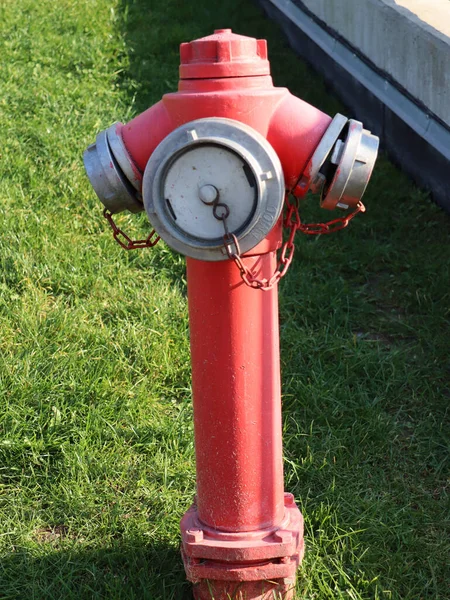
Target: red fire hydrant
<point x="213" y="164"/>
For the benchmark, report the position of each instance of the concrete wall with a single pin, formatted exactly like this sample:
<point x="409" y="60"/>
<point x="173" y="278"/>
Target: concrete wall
<point x="391" y="69"/>
<point x="407" y="39"/>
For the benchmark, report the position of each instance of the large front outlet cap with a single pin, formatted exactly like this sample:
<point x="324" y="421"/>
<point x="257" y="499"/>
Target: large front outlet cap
<point x="209" y="178"/>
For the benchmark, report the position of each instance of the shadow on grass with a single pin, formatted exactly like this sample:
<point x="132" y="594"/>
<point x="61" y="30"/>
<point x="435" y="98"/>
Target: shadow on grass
<point x="134" y="571"/>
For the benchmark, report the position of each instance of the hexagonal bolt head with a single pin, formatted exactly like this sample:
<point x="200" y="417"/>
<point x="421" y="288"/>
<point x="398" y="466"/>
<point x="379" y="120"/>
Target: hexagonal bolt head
<point x="283" y="536"/>
<point x="194" y="535"/>
<point x="289" y="499"/>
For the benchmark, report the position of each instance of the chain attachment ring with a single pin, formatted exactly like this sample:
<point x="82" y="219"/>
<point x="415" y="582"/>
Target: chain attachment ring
<point x="126" y="242"/>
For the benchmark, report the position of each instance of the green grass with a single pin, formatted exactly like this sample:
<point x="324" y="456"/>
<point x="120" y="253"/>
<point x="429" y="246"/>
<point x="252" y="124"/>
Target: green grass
<point x="96" y="440"/>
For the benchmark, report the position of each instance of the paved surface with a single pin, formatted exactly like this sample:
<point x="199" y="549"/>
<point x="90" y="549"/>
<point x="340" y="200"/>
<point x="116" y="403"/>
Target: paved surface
<point x="435" y="13"/>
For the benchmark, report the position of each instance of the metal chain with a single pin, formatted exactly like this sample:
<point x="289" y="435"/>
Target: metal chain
<point x="126" y="242"/>
<point x="292" y="218"/>
<point x="292" y="223"/>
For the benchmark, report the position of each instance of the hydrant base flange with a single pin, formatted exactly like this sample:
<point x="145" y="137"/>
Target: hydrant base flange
<point x="275" y="553"/>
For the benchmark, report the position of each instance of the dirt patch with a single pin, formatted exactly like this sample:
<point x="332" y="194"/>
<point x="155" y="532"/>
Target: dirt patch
<point x="50" y="534"/>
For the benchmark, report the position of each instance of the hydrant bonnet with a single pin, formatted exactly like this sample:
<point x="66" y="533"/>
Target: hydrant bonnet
<point x="223" y="54"/>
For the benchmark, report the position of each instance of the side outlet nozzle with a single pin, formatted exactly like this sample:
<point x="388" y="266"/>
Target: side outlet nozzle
<point x="111" y="175"/>
<point x="342" y="164"/>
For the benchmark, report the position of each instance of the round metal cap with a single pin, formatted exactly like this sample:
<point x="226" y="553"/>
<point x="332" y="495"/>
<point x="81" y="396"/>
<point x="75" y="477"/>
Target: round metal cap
<point x="107" y="178"/>
<point x="223" y="54"/>
<point x="312" y="179"/>
<point x="130" y="170"/>
<point x="341" y="165"/>
<point x="211" y="176"/>
<point x="353" y="159"/>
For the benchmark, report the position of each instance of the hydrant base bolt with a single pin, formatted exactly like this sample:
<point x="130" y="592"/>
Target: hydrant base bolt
<point x="194" y="535"/>
<point x="289" y="499"/>
<point x="285" y="537"/>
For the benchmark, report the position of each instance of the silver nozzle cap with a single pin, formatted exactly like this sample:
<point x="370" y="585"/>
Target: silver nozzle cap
<point x="108" y="179"/>
<point x="354" y="158"/>
<point x="342" y="164"/>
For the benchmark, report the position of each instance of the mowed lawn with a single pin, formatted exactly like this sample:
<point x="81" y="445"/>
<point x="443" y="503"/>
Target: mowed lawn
<point x="96" y="440"/>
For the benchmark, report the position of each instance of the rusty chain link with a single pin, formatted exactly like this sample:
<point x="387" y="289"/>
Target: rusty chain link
<point x="129" y="244"/>
<point x="292" y="218"/>
<point x="292" y="223"/>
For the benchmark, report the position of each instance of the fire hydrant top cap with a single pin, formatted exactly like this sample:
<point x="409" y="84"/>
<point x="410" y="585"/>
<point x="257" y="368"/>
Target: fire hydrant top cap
<point x="223" y="54"/>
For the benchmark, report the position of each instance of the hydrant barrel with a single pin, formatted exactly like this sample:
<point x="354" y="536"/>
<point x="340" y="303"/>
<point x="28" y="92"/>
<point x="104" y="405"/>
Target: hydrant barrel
<point x="236" y="394"/>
